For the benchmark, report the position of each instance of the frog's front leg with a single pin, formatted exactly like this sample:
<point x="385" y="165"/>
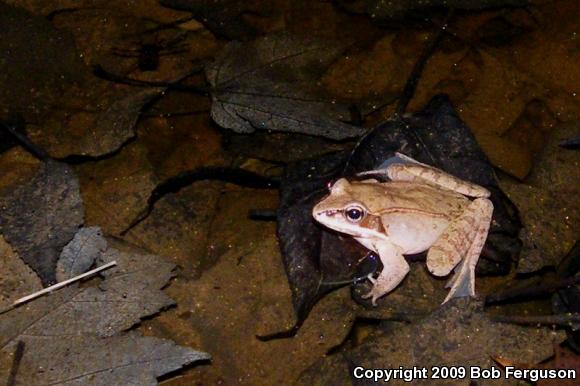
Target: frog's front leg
<point x="462" y="241"/>
<point x="395" y="268"/>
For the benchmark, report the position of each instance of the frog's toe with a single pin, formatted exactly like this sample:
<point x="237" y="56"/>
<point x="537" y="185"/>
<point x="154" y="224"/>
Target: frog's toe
<point x="373" y="294"/>
<point x="462" y="284"/>
<point x="371" y="278"/>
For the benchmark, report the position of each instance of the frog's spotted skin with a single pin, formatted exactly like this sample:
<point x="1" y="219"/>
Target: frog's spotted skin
<point x="421" y="208"/>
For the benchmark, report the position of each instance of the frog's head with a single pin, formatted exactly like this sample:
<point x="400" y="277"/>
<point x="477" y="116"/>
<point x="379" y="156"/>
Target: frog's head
<point x="343" y="210"/>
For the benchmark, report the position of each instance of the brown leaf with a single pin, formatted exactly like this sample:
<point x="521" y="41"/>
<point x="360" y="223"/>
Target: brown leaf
<point x="76" y="334"/>
<point x="564" y="359"/>
<point x="41" y="216"/>
<point x="270" y="84"/>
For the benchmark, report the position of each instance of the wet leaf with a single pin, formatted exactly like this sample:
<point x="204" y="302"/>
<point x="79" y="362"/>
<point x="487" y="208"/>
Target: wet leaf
<point x="114" y="126"/>
<point x="314" y="255"/>
<point x="222" y="17"/>
<point x="548" y="203"/>
<point x="76" y="334"/>
<point x="128" y="359"/>
<point x="246" y="276"/>
<point x="41" y="216"/>
<point x="78" y="255"/>
<point x="122" y="181"/>
<point x="91" y="132"/>
<point x="456" y="334"/>
<point x="383" y="11"/>
<point x="567" y="300"/>
<point x="564" y="359"/>
<point x="17" y="279"/>
<point x="271" y="84"/>
<point x="280" y="147"/>
<point x="42" y="62"/>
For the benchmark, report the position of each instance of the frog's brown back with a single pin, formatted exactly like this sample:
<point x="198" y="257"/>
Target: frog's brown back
<point x="399" y="196"/>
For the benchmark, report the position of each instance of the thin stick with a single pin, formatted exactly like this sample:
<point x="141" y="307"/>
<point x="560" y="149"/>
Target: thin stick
<point x="63" y="283"/>
<point x="18" y="354"/>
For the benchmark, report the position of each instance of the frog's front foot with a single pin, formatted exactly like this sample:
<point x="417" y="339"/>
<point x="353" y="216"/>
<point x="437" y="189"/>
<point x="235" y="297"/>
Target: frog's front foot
<point x="395" y="268"/>
<point x="385" y="283"/>
<point x="374" y="294"/>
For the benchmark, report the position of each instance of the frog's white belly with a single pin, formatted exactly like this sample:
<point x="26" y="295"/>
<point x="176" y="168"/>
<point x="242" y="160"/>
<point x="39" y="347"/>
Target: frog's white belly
<point x="408" y="233"/>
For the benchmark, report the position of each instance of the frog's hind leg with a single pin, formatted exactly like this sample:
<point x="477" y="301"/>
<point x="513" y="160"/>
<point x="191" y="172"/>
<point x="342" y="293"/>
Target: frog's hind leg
<point x="462" y="241"/>
<point x="411" y="170"/>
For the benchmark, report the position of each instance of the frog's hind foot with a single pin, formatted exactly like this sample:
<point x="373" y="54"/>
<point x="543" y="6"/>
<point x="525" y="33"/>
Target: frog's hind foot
<point x="463" y="281"/>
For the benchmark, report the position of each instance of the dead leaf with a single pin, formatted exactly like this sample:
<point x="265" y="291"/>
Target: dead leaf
<point x="78" y="255"/>
<point x="244" y="292"/>
<point x="272" y="84"/>
<point x="385" y="11"/>
<point x="548" y="202"/>
<point x="458" y="333"/>
<point x="280" y="147"/>
<point x="564" y="359"/>
<point x="16" y="278"/>
<point x="116" y="189"/>
<point x="76" y="334"/>
<point x="105" y="122"/>
<point x="178" y="227"/>
<point x="38" y="64"/>
<point x="223" y="17"/>
<point x="40" y="217"/>
<point x="128" y="359"/>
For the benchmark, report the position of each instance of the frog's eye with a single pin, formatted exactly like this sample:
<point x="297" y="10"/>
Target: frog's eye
<point x="354" y="213"/>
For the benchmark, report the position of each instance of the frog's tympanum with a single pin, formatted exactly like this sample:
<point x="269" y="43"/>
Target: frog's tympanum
<point x="421" y="208"/>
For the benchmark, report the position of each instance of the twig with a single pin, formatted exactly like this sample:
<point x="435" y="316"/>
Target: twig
<point x="57" y="286"/>
<point x="558" y="319"/>
<point x="18" y="354"/>
<point x="26" y="143"/>
<point x="532" y="291"/>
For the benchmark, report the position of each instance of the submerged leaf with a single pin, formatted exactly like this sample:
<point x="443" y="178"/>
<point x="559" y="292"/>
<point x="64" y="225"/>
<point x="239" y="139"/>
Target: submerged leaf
<point x="90" y="132"/>
<point x="270" y="84"/>
<point x="457" y="334"/>
<point x="128" y="359"/>
<point x="40" y="217"/>
<point x="78" y="255"/>
<point x="397" y="9"/>
<point x="222" y="17"/>
<point x="39" y="62"/>
<point x="76" y="334"/>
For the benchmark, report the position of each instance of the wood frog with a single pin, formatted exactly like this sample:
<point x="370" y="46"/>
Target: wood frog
<point x="421" y="208"/>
